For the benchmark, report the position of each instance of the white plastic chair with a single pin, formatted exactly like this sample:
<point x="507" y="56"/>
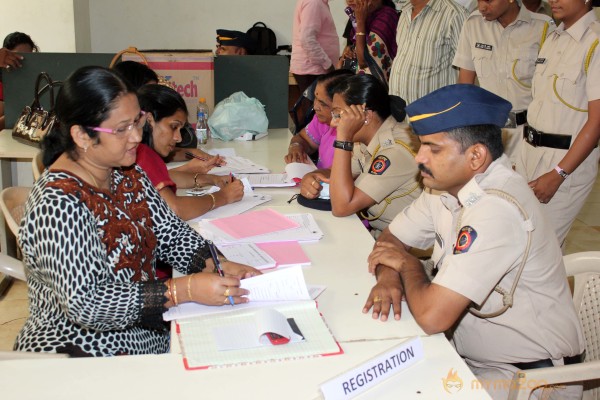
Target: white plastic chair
<point x="12" y="204"/>
<point x="585" y="268"/>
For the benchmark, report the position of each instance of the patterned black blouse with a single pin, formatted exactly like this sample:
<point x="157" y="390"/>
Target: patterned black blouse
<point x="90" y="259"/>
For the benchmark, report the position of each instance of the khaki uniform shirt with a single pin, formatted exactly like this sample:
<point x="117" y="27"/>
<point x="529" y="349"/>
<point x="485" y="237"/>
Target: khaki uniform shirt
<point x="504" y="61"/>
<point x="386" y="169"/>
<point x="563" y="56"/>
<point x="493" y="52"/>
<point x="479" y="241"/>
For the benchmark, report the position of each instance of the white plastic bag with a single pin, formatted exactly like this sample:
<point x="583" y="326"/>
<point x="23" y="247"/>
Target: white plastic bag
<point x="236" y="115"/>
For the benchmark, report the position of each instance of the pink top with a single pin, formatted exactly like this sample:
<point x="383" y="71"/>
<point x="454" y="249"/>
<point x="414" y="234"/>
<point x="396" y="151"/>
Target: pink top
<point x="315" y="42"/>
<point x="323" y="135"/>
<point x="154" y="166"/>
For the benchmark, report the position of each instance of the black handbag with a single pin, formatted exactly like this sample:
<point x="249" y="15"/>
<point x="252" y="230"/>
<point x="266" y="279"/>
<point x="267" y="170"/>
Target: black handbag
<point x="35" y="122"/>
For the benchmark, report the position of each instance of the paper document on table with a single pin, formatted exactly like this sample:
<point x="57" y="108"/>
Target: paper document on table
<point x="281" y="285"/>
<point x="298" y="170"/>
<point x="239" y="165"/>
<point x="293" y="288"/>
<point x="267" y="180"/>
<point x="200" y="348"/>
<point x="308" y="231"/>
<point x="285" y="254"/>
<point x="223" y="152"/>
<point x="249" y="254"/>
<point x="254" y="223"/>
<point x="248" y="201"/>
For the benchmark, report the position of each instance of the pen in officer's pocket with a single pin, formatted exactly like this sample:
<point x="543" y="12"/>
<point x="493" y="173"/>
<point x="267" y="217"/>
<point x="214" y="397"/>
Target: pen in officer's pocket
<point x="213" y="253"/>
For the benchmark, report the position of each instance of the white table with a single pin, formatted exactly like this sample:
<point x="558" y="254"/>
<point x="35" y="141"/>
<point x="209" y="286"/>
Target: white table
<point x="339" y="262"/>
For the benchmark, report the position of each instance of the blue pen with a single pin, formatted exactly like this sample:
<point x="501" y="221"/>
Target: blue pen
<point x="213" y="253"/>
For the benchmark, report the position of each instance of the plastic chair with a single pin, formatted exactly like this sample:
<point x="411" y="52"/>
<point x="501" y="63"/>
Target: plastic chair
<point x="37" y="166"/>
<point x="585" y="268"/>
<point x="12" y="204"/>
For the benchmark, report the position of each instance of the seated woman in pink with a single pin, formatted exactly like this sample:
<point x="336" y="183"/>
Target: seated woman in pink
<point x="166" y="114"/>
<point x="318" y="135"/>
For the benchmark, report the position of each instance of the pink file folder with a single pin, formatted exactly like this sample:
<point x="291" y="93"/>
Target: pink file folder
<point x="285" y="253"/>
<point x="254" y="223"/>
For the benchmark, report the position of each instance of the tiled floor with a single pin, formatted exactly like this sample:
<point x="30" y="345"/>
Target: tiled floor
<point x="584" y="236"/>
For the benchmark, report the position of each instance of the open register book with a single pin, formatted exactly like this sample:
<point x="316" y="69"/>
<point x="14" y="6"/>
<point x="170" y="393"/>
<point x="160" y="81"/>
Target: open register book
<point x="279" y="303"/>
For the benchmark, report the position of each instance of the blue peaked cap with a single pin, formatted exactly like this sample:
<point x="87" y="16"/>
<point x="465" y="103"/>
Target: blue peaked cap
<point x="456" y="106"/>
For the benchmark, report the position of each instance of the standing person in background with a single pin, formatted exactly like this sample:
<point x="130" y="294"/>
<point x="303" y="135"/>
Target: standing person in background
<point x="560" y="156"/>
<point x="427" y="37"/>
<point x="315" y="42"/>
<point x="16" y="42"/>
<point x="499" y="45"/>
<point x="372" y="36"/>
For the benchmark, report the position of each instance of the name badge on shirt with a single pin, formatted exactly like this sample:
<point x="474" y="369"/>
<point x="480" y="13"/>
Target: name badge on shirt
<point x="484" y="46"/>
<point x="540" y="61"/>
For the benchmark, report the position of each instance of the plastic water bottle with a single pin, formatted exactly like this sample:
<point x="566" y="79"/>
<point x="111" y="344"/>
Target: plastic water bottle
<point x="202" y="132"/>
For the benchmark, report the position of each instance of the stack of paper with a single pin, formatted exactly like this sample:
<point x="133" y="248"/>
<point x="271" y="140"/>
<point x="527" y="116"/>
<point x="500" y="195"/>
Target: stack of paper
<point x="292" y="176"/>
<point x="239" y="165"/>
<point x="266" y="255"/>
<point x="249" y="201"/>
<point x="262" y="226"/>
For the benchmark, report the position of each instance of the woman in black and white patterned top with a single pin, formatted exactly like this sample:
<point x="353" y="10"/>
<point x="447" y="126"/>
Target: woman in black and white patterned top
<point x="94" y="228"/>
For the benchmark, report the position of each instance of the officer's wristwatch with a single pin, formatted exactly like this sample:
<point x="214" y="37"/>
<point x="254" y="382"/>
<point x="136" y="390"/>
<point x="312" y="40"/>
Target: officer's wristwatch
<point x="340" y="144"/>
<point x="561" y="172"/>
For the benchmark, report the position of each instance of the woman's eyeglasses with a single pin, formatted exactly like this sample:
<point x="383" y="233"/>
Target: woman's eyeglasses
<point x="120" y="132"/>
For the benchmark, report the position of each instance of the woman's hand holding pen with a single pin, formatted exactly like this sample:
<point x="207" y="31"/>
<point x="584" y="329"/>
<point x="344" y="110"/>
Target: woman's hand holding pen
<point x="207" y="288"/>
<point x="237" y="270"/>
<point x="231" y="192"/>
<point x="311" y="184"/>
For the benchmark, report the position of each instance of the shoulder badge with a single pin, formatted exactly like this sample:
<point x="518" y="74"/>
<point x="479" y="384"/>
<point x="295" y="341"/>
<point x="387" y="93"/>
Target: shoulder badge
<point x="379" y="165"/>
<point x="466" y="237"/>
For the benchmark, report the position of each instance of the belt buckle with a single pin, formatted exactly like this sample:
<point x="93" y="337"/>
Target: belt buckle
<point x="511" y="122"/>
<point x="531" y="136"/>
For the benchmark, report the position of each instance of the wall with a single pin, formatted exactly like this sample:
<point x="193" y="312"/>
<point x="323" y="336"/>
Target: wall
<point x="187" y="24"/>
<point x="48" y="22"/>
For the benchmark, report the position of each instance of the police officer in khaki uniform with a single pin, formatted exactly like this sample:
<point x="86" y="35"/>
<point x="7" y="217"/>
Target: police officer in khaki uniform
<point x="487" y="229"/>
<point x="499" y="44"/>
<point x="373" y="165"/>
<point x="560" y="156"/>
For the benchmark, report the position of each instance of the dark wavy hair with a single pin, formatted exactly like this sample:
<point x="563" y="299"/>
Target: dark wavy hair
<point x="333" y="78"/>
<point x="161" y="101"/>
<point x="86" y="98"/>
<point x="366" y="89"/>
<point x="136" y="73"/>
<point x="14" y="39"/>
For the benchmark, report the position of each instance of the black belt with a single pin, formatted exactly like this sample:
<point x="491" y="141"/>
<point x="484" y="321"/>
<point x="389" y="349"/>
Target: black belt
<point x="541" y="139"/>
<point x="516" y="118"/>
<point x="548" y="363"/>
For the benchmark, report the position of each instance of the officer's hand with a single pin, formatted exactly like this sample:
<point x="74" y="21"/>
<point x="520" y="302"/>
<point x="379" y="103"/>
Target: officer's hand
<point x="386" y="294"/>
<point x="311" y="184"/>
<point x="545" y="186"/>
<point x="388" y="254"/>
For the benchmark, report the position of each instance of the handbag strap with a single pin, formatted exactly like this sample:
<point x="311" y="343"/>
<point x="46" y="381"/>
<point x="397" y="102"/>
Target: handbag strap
<point x="129" y="50"/>
<point x="44" y="76"/>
